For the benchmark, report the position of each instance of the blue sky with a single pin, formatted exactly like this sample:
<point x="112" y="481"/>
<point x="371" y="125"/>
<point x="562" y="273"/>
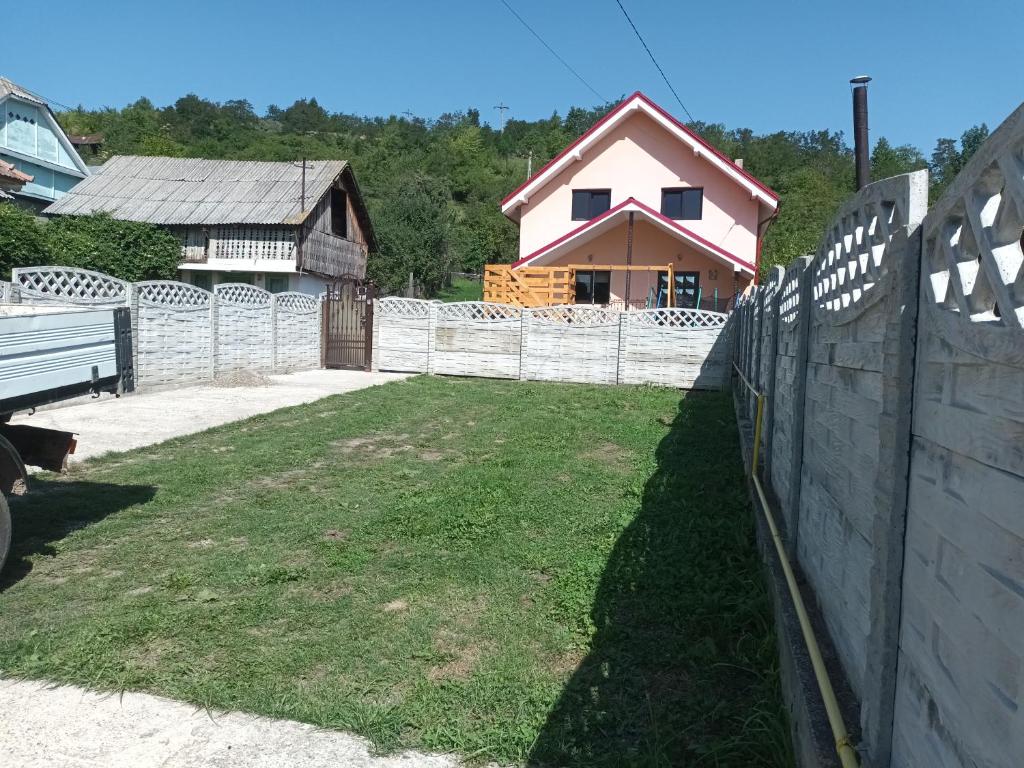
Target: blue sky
<point x="938" y="67"/>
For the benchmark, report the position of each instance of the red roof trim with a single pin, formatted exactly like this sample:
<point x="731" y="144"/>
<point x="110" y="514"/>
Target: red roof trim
<point x="614" y="113"/>
<point x="653" y="214"/>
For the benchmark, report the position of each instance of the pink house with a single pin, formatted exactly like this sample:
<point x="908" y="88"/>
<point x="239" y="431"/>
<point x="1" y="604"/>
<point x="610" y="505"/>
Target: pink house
<point x="643" y="191"/>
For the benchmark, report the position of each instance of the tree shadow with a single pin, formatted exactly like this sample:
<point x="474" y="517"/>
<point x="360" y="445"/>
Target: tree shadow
<point x="682" y="669"/>
<point x="54" y="508"/>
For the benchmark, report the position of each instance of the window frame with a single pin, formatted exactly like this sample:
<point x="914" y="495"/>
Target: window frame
<point x="590" y="206"/>
<point x="592" y="273"/>
<point x="339" y="212"/>
<point x="677" y="277"/>
<point x="682" y="204"/>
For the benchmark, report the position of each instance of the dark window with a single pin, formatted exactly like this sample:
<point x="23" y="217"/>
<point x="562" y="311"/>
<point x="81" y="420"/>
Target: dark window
<point x="339" y="212"/>
<point x="684" y="203"/>
<point x="588" y="203"/>
<point x="687" y="288"/>
<point x="277" y="283"/>
<point x="202" y="280"/>
<point x="593" y="286"/>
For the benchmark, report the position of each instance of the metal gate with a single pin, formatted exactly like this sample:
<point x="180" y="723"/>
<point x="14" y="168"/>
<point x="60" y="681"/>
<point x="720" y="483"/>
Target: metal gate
<point x="348" y="325"/>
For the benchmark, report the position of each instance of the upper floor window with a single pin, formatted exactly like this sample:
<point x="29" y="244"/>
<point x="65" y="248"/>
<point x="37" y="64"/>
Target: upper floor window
<point x="339" y="213"/>
<point x="588" y="203"/>
<point x="682" y="203"/>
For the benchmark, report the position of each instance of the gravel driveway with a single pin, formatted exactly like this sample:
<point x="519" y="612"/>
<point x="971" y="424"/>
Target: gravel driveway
<point x="117" y="424"/>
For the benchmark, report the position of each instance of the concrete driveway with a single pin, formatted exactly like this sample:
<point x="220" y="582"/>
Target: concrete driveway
<point x="116" y="424"/>
<point x="44" y="726"/>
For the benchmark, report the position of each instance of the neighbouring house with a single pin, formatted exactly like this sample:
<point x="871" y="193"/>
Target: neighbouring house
<point x="11" y="180"/>
<point x="34" y="143"/>
<point x="637" y="204"/>
<point x="91" y="141"/>
<point x="278" y="225"/>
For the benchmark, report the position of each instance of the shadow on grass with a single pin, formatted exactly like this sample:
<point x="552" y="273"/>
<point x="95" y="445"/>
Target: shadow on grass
<point x="53" y="509"/>
<point x="682" y="668"/>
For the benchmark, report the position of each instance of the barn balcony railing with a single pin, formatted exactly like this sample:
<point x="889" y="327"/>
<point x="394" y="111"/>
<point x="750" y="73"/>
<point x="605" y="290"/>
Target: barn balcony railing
<point x="330" y="254"/>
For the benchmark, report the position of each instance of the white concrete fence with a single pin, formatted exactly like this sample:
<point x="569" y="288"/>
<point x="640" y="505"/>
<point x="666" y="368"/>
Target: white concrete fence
<point x="182" y="334"/>
<point x="669" y="347"/>
<point x="893" y="362"/>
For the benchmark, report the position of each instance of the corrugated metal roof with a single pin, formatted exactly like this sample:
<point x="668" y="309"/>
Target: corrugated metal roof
<point x="8" y="88"/>
<point x="185" y="190"/>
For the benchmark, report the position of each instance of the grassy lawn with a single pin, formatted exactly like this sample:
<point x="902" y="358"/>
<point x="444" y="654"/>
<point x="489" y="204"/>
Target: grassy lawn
<point x="462" y="289"/>
<point x="541" y="573"/>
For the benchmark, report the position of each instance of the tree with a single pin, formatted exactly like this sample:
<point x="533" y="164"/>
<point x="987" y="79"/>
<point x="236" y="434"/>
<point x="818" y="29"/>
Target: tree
<point x="887" y="160"/>
<point x="413" y="225"/>
<point x="948" y="160"/>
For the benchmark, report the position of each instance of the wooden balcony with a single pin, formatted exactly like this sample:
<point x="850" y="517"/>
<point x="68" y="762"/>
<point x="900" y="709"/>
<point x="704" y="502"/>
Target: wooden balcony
<point x="333" y="256"/>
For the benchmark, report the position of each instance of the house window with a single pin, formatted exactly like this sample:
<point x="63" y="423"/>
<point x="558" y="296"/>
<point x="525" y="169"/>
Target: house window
<point x="339" y="213"/>
<point x="203" y="280"/>
<point x="687" y="288"/>
<point x="588" y="203"/>
<point x="593" y="286"/>
<point x="276" y="283"/>
<point x="682" y="203"/>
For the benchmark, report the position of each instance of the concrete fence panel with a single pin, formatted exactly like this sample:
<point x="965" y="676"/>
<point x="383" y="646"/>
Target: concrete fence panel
<point x="297" y="318"/>
<point x="245" y="328"/>
<point x="570" y="343"/>
<point x="856" y="433"/>
<point x="69" y="285"/>
<point x="401" y="328"/>
<point x="476" y="338"/>
<point x="686" y="348"/>
<point x="960" y="693"/>
<point x="173" y="333"/>
<point x="786" y="444"/>
<point x="768" y="344"/>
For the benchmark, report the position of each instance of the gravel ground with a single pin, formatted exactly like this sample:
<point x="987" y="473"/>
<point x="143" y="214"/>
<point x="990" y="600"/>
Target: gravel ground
<point x="117" y="424"/>
<point x="41" y="727"/>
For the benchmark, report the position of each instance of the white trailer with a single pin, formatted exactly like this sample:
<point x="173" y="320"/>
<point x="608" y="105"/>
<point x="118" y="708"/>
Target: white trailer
<point x="49" y="354"/>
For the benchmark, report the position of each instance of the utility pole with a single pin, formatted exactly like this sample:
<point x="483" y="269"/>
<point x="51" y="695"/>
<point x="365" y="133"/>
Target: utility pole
<point x="299" y="230"/>
<point x="502" y="107"/>
<point x="408" y="113"/>
<point x="529" y="165"/>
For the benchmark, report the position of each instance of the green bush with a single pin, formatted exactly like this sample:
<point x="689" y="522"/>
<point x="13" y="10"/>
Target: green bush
<point x="129" y="250"/>
<point x="22" y="242"/>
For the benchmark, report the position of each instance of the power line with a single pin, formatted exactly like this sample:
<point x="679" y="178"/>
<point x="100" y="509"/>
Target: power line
<point x="663" y="77"/>
<point x="552" y="51"/>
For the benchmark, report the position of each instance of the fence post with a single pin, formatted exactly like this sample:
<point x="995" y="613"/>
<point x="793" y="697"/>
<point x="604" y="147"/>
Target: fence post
<point x="431" y="334"/>
<point x="524" y="335"/>
<point x="213" y="335"/>
<point x="770" y="330"/>
<point x="620" y="368"/>
<point x="375" y="343"/>
<point x="133" y="311"/>
<point x="273" y="333"/>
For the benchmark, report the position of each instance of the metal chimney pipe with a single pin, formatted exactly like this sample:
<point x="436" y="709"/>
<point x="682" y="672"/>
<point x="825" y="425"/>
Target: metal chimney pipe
<point x="861" y="147"/>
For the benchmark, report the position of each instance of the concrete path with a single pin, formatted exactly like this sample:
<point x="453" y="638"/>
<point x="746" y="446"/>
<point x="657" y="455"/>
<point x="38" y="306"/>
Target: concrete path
<point x="117" y="424"/>
<point x="43" y="727"/>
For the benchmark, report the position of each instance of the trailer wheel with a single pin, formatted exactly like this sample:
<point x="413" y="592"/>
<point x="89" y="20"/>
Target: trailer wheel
<point x="5" y="530"/>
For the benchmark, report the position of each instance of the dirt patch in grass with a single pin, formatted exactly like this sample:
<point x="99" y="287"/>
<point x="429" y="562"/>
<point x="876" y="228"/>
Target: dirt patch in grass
<point x="395" y="606"/>
<point x="609" y="455"/>
<point x="372" y="447"/>
<point x="462" y="656"/>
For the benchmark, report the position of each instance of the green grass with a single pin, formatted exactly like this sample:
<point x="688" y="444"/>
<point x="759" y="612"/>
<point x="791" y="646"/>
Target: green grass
<point x="462" y="289"/>
<point x="533" y="573"/>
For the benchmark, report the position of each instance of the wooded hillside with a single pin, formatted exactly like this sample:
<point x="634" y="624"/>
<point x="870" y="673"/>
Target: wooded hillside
<point x="433" y="186"/>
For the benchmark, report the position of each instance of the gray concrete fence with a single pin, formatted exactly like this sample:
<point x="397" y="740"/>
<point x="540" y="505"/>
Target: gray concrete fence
<point x="893" y="362"/>
<point x="182" y="334"/>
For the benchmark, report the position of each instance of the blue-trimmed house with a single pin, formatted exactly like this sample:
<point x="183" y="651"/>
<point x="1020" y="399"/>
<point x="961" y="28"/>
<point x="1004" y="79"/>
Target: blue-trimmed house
<point x="34" y="143"/>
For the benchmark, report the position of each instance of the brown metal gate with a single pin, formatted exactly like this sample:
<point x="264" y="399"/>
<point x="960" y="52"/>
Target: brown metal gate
<point x="348" y="325"/>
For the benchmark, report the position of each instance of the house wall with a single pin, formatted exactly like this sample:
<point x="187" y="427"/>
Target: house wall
<point x="25" y="129"/>
<point x="653" y="246"/>
<point x="326" y="253"/>
<point x="204" y="278"/>
<point x="637" y="159"/>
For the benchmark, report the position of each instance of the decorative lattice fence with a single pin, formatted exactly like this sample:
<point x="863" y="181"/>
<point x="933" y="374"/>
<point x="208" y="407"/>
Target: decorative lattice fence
<point x="400" y="332"/>
<point x="184" y="334"/>
<point x="670" y="347"/>
<point x="245" y="328"/>
<point x="297" y="319"/>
